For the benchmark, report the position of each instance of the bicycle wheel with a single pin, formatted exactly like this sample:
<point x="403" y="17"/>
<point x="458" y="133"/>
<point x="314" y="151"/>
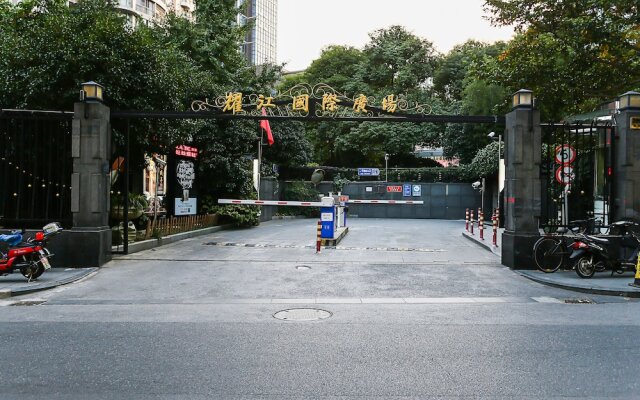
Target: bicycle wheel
<point x="549" y="254"/>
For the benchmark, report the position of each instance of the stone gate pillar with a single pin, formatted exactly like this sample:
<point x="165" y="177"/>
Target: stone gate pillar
<point x="522" y="197"/>
<point x="626" y="163"/>
<point x="90" y="238"/>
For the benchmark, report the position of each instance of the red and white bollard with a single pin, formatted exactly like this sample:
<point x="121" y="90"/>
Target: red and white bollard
<point x="466" y="220"/>
<point x="481" y="224"/>
<point x="471" y="220"/>
<point x="319" y="238"/>
<point x="494" y="220"/>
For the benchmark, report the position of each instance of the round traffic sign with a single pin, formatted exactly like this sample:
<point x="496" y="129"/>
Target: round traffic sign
<point x="565" y="175"/>
<point x="565" y="154"/>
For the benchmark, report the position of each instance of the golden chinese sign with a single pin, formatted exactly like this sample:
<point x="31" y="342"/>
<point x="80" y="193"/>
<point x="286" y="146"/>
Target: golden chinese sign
<point x="308" y="101"/>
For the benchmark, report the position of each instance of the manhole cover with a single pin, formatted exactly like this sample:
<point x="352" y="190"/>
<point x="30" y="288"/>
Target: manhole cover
<point x="579" y="301"/>
<point x="302" y="314"/>
<point x="303" y="267"/>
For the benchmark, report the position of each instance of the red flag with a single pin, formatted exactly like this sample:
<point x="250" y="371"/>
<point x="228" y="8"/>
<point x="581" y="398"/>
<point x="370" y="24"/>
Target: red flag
<point x="264" y="124"/>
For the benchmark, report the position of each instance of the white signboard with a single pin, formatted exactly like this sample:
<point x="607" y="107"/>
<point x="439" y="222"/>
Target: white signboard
<point x="185" y="207"/>
<point x="326" y="217"/>
<point x="368" y="189"/>
<point x="417" y="190"/>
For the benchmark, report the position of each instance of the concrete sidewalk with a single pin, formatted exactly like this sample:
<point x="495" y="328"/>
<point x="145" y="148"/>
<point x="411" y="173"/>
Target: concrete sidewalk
<point x="15" y="284"/>
<point x="601" y="283"/>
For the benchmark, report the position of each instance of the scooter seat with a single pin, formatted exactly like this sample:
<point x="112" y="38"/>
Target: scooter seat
<point x="11" y="240"/>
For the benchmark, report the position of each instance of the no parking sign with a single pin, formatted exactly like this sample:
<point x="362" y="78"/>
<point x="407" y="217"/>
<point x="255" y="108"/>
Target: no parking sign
<point x="565" y="175"/>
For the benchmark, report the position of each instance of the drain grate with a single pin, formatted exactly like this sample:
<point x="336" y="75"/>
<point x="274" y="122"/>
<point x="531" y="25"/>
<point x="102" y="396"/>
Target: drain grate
<point x="302" y="314"/>
<point x="303" y="267"/>
<point x="579" y="301"/>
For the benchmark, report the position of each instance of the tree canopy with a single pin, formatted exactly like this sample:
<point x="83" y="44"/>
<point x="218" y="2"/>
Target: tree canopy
<point x="573" y="55"/>
<point x="48" y="48"/>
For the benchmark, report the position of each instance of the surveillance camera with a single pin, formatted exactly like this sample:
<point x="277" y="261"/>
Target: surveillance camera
<point x="492" y="135"/>
<point x="476" y="185"/>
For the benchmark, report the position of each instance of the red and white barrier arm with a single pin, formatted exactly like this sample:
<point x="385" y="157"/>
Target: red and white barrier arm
<point x="271" y="203"/>
<point x="312" y="203"/>
<point x="398" y="202"/>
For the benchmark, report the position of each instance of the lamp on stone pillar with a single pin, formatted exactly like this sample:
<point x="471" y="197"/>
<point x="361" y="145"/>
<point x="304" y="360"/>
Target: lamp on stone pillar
<point x="629" y="101"/>
<point x="91" y="92"/>
<point x="523" y="98"/>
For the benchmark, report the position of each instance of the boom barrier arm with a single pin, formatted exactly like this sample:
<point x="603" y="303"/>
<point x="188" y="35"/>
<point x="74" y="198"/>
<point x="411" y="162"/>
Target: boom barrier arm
<point x="314" y="203"/>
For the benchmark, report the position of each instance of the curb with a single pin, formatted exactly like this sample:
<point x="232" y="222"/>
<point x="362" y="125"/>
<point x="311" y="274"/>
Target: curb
<point x="334" y="242"/>
<point x="550" y="282"/>
<point x="582" y="289"/>
<point x="494" y="250"/>
<point x="149" y="244"/>
<point x="4" y="293"/>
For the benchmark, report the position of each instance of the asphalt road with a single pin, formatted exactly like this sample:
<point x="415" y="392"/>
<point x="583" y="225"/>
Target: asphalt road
<point x="417" y="312"/>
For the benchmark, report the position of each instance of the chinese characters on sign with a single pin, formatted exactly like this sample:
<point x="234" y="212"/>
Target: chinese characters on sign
<point x="304" y="100"/>
<point x="186" y="151"/>
<point x="390" y="103"/>
<point x="301" y="103"/>
<point x="233" y="103"/>
<point x="330" y="102"/>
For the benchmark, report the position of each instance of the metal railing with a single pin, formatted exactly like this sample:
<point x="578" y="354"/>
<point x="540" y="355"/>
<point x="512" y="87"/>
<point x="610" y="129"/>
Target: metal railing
<point x="35" y="168"/>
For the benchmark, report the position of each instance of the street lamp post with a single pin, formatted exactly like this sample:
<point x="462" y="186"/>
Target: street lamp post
<point x="386" y="167"/>
<point x="492" y="136"/>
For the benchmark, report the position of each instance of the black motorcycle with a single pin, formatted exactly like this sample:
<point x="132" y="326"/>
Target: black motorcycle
<point x="617" y="250"/>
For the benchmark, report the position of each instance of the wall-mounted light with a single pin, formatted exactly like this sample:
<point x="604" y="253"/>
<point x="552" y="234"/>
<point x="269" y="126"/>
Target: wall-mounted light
<point x="91" y="92"/>
<point x="629" y="100"/>
<point x="523" y="98"/>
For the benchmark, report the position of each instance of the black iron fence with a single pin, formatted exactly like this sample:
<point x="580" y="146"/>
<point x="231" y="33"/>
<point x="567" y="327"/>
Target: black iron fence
<point x="576" y="173"/>
<point x="35" y="168"/>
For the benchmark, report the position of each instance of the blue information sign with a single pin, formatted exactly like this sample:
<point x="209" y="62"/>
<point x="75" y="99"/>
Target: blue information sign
<point x="368" y="172"/>
<point x="406" y="190"/>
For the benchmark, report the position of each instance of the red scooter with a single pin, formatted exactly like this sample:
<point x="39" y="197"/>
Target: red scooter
<point x="31" y="258"/>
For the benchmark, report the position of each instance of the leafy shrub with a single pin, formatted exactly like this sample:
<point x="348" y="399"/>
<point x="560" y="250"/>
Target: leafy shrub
<point x="300" y="191"/>
<point x="485" y="163"/>
<point x="238" y="215"/>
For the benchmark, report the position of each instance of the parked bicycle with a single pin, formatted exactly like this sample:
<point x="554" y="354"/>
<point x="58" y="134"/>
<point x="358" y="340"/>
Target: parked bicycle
<point x="551" y="251"/>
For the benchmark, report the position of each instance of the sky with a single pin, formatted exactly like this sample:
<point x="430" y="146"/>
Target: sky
<point x="306" y="26"/>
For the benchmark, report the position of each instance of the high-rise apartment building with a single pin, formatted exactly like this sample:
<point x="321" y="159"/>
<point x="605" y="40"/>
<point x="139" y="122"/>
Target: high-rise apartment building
<point x="150" y="10"/>
<point x="260" y="46"/>
<point x="146" y="11"/>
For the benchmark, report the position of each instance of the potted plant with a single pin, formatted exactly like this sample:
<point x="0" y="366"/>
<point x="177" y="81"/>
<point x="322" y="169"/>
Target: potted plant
<point x="137" y="204"/>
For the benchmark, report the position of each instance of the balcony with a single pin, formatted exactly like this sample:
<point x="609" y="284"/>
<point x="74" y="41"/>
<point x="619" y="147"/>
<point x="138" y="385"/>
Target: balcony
<point x="187" y="4"/>
<point x="144" y="10"/>
<point x="126" y="4"/>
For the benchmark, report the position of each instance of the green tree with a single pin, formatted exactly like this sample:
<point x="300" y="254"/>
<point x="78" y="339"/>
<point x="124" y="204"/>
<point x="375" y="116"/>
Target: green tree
<point x="573" y="55"/>
<point x="455" y="70"/>
<point x="396" y="61"/>
<point x="336" y="67"/>
<point x="47" y="49"/>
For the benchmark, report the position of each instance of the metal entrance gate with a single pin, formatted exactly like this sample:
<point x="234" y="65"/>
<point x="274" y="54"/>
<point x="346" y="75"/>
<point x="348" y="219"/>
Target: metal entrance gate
<point x="576" y="173"/>
<point x="35" y="168"/>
